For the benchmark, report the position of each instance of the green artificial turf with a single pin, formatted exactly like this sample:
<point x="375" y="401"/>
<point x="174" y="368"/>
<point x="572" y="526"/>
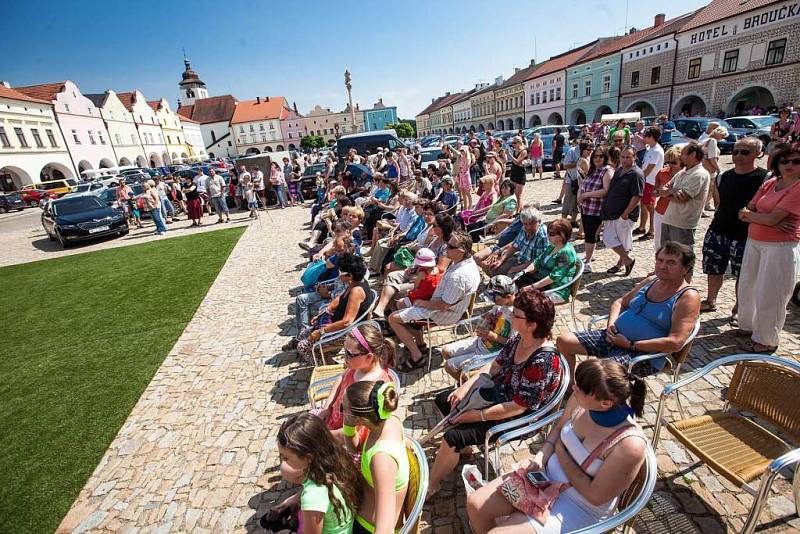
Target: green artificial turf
<point x="81" y="338"/>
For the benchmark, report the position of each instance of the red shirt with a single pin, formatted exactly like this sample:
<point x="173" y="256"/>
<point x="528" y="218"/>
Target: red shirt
<point x="662" y="177"/>
<point x="426" y="287"/>
<point x="765" y="201"/>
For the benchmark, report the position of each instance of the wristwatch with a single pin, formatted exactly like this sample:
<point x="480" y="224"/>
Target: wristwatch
<point x="632" y="346"/>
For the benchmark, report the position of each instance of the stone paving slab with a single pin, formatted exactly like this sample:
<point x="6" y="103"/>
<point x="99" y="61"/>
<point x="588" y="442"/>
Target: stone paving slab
<point x="198" y="450"/>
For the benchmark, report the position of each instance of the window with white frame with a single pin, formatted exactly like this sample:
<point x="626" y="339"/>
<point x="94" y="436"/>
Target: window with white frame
<point x="75" y="137"/>
<point x="51" y="138"/>
<point x="37" y="138"/>
<point x="4" y="138"/>
<point x="606" y="82"/>
<point x="574" y="89"/>
<point x="587" y="87"/>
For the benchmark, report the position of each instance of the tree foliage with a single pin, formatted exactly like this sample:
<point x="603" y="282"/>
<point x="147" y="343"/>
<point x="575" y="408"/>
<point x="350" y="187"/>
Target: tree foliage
<point x="312" y="141"/>
<point x="403" y="129"/>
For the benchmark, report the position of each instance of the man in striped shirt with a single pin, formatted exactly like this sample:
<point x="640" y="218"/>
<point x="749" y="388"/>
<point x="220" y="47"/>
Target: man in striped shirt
<point x="448" y="303"/>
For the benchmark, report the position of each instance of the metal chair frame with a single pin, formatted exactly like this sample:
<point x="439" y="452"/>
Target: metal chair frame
<point x="332" y="336"/>
<point x="623" y="517"/>
<point x="574" y="284"/>
<point x="767" y="478"/>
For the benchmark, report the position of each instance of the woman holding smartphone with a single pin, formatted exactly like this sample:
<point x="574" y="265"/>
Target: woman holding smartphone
<point x="597" y="426"/>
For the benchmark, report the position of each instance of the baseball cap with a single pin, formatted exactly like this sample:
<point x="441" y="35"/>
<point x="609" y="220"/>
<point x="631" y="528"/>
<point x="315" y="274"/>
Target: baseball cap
<point x="425" y="258"/>
<point x="500" y="286"/>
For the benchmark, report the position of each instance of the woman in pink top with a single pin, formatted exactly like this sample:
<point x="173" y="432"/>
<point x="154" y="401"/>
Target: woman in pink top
<point x="278" y="182"/>
<point x="465" y="161"/>
<point x="537" y="155"/>
<point x="367" y="356"/>
<point x="771" y="260"/>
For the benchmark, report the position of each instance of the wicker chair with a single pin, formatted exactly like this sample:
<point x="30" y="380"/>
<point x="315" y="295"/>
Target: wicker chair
<point x="325" y="376"/>
<point x="629" y="504"/>
<point x="417" y="488"/>
<point x="736" y="447"/>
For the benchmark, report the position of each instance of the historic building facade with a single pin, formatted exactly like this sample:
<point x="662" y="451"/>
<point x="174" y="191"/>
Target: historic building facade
<point x="462" y="111"/>
<point x="150" y="134"/>
<point x="730" y="61"/>
<point x="441" y="115"/>
<point x="256" y="125"/>
<point x="293" y="128"/>
<point x="122" y="132"/>
<point x="81" y="124"/>
<point x="214" y="115"/>
<point x="483" y="107"/>
<point x="379" y="116"/>
<point x="172" y="131"/>
<point x="32" y="148"/>
<point x="510" y="100"/>
<point x="193" y="139"/>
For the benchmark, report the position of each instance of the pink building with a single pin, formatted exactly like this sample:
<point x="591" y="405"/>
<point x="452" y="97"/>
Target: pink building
<point x="293" y="128"/>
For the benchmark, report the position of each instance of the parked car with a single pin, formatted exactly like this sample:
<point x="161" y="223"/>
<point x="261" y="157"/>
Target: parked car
<point x="85" y="187"/>
<point x="11" y="201"/>
<point x="152" y="173"/>
<point x="32" y="196"/>
<point x="758" y="125"/>
<point x="428" y="156"/>
<point x="308" y="181"/>
<point x="367" y="141"/>
<point x="83" y="217"/>
<point x="56" y="187"/>
<point x="694" y="127"/>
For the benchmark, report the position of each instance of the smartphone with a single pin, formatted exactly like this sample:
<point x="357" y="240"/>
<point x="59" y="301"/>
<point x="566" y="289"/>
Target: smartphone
<point x="538" y="478"/>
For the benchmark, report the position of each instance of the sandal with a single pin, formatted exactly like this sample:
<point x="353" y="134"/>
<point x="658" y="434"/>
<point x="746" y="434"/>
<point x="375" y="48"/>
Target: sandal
<point x="614" y="270"/>
<point x="742" y="333"/>
<point x="751" y="346"/>
<point x="410" y="365"/>
<point x="707" y="306"/>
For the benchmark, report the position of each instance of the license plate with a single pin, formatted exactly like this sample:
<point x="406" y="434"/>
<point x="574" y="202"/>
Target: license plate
<point x="98" y="229"/>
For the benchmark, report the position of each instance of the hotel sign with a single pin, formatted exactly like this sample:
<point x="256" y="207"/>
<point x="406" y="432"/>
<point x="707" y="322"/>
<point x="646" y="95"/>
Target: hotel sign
<point x="750" y="21"/>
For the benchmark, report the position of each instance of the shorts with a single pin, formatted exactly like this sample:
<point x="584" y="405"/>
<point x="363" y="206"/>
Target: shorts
<point x="466" y="434"/>
<point x="557" y="155"/>
<point x="678" y="235"/>
<point x="618" y="233"/>
<point x="596" y="344"/>
<point x="719" y="250"/>
<point x="459" y="352"/>
<point x="648" y="198"/>
<point x="414" y="313"/>
<point x="537" y="163"/>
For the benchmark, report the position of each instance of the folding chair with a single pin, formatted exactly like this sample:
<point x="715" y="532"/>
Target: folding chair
<point x="328" y="338"/>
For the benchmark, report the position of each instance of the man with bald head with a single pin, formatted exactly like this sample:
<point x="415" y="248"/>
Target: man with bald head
<point x="726" y="236"/>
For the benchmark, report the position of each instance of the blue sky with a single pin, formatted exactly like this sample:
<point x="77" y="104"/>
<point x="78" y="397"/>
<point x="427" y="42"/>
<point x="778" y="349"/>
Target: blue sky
<point x="404" y="51"/>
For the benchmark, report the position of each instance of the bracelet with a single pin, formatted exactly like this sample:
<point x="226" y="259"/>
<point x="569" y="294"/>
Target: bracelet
<point x="483" y="417"/>
<point x="348" y="431"/>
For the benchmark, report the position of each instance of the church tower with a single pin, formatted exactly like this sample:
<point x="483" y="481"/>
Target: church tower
<point x="191" y="87"/>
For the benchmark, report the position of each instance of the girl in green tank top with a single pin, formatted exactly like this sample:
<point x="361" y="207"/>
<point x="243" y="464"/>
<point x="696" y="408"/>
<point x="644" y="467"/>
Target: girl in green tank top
<point x="384" y="460"/>
<point x="331" y="488"/>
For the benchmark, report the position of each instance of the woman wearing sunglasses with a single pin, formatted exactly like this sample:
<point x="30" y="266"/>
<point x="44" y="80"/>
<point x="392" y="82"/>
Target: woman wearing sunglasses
<point x="672" y="164"/>
<point x="590" y="199"/>
<point x="771" y="257"/>
<point x="368" y="355"/>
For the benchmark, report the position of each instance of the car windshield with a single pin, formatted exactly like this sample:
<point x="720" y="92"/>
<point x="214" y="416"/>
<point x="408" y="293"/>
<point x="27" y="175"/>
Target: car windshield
<point x="764" y="122"/>
<point x="76" y="205"/>
<point x="83" y="187"/>
<point x="430" y="156"/>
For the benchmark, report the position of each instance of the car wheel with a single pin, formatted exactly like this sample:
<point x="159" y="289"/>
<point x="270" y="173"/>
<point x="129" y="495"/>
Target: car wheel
<point x="63" y="241"/>
<point x="33" y="204"/>
<point x="3" y="210"/>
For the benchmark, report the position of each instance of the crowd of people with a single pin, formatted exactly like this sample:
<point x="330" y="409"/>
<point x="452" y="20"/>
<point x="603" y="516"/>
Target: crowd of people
<point x="412" y="248"/>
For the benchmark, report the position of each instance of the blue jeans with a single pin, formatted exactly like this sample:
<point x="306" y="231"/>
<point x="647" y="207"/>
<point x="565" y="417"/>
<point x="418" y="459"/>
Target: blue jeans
<point x="167" y="209"/>
<point x="158" y="219"/>
<point x="280" y="191"/>
<point x="303" y="304"/>
<point x="219" y="205"/>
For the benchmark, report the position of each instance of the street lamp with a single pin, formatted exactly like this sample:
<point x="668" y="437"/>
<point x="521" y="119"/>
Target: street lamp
<point x="349" y="86"/>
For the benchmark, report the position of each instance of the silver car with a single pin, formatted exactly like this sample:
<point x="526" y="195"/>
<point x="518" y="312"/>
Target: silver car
<point x="758" y="125"/>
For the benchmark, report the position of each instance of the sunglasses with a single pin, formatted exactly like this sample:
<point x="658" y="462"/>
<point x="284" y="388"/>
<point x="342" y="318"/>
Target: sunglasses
<point x="736" y="152"/>
<point x="350" y="355"/>
<point x="598" y="156"/>
<point x="788" y="161"/>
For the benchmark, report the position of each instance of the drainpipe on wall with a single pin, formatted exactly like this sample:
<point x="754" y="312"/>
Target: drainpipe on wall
<point x="672" y="85"/>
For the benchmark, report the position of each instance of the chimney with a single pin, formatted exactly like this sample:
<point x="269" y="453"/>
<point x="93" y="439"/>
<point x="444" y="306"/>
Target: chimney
<point x="258" y="100"/>
<point x="517" y="69"/>
<point x="266" y="99"/>
<point x="659" y="20"/>
<point x="533" y="63"/>
<point x="5" y="84"/>
<point x="447" y="93"/>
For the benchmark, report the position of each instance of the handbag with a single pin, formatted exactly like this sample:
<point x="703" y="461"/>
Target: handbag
<point x="312" y="273"/>
<point x="403" y="257"/>
<point x="536" y="501"/>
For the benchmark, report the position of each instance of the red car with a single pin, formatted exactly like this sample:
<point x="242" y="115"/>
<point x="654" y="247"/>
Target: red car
<point x="31" y="197"/>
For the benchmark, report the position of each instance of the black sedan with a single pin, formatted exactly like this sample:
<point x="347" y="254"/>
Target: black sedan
<point x="11" y="201"/>
<point x="79" y="218"/>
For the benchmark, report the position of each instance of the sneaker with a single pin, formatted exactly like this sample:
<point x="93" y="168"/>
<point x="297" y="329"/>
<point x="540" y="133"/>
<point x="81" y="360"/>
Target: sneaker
<point x="587" y="267"/>
<point x="638" y="231"/>
<point x="160" y="233"/>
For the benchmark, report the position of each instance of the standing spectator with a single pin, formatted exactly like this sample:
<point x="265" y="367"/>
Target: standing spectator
<point x="167" y="209"/>
<point x="621" y="209"/>
<point x="194" y="206"/>
<point x="244" y="176"/>
<point x="726" y="236"/>
<point x="289" y="179"/>
<point x="518" y="156"/>
<point x="260" y="187"/>
<point x="667" y="127"/>
<point x="572" y="179"/>
<point x="771" y="261"/>
<point x="200" y="181"/>
<point x="706" y="134"/>
<point x="687" y="192"/>
<point x="278" y="182"/>
<point x="463" y="178"/>
<point x="502" y="154"/>
<point x="638" y="143"/>
<point x="153" y="203"/>
<point x="781" y="130"/>
<point x="623" y="128"/>
<point x="652" y="163"/>
<point x="537" y="155"/>
<point x="123" y="192"/>
<point x="492" y="168"/>
<point x="216" y="193"/>
<point x="672" y="166"/>
<point x="590" y="199"/>
<point x="404" y="164"/>
<point x="558" y="151"/>
<point x="711" y="157"/>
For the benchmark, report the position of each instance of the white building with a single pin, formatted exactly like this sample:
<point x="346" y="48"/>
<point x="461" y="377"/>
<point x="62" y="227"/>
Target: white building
<point x="150" y="134"/>
<point x="191" y="87"/>
<point x="121" y="129"/>
<point x="214" y="115"/>
<point x="171" y="129"/>
<point x="193" y="136"/>
<point x="31" y="146"/>
<point x="81" y="124"/>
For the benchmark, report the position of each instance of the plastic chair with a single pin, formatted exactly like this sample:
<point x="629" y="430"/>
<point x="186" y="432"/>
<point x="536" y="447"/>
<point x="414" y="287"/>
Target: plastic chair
<point x="329" y="337"/>
<point x="417" y="487"/>
<point x="629" y="504"/>
<point x="735" y="446"/>
<point x="574" y="284"/>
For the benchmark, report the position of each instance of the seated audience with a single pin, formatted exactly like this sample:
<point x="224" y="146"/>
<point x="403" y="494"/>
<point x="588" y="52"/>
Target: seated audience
<point x="599" y="420"/>
<point x="504" y="207"/>
<point x="516" y="256"/>
<point x="555" y="266"/>
<point x="657" y="315"/>
<point x="526" y="374"/>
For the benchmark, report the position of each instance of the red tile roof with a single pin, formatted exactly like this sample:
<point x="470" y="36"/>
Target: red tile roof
<point x="253" y="110"/>
<point x="13" y="94"/>
<point x="154" y="104"/>
<point x="187" y="119"/>
<point x="446" y="101"/>
<point x="723" y="9"/>
<point x="213" y="109"/>
<point x="44" y="91"/>
<point x="520" y="76"/>
<point x="562" y="61"/>
<point x="127" y="99"/>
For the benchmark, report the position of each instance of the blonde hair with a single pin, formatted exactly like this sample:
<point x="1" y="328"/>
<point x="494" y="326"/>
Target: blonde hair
<point x="487" y="180"/>
<point x="721" y="131"/>
<point x="355" y="211"/>
<point x="673" y="152"/>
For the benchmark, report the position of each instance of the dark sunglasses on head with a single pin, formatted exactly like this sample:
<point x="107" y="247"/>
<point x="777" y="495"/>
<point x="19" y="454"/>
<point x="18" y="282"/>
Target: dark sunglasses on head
<point x="789" y="161"/>
<point x="743" y="152"/>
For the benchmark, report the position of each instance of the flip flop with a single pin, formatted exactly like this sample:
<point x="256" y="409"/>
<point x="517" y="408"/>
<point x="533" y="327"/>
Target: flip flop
<point x="410" y="365"/>
<point x="707" y="306"/>
<point x="750" y="346"/>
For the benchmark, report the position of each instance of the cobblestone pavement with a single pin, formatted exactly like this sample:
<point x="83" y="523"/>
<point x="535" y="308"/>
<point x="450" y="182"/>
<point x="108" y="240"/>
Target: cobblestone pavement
<point x="23" y="239"/>
<point x="198" y="450"/>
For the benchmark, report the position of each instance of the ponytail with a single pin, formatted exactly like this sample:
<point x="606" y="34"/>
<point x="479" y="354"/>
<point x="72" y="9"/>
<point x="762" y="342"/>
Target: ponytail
<point x="638" y="392"/>
<point x="386" y="359"/>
